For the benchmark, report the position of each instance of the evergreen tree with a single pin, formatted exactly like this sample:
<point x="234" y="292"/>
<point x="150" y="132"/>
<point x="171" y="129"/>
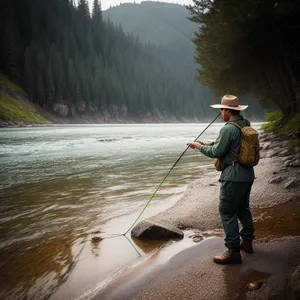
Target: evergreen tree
<point x="255" y="43"/>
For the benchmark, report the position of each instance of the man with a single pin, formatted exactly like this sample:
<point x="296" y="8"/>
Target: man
<point x="236" y="182"/>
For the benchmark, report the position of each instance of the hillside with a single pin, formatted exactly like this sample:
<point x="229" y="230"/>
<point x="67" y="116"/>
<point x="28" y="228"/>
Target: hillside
<point x="166" y="26"/>
<point x="158" y="23"/>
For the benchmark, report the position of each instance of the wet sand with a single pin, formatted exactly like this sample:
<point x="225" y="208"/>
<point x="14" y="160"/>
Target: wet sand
<point x="191" y="273"/>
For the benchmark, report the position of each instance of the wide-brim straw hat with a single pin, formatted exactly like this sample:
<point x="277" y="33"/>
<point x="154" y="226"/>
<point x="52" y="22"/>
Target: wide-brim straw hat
<point x="230" y="102"/>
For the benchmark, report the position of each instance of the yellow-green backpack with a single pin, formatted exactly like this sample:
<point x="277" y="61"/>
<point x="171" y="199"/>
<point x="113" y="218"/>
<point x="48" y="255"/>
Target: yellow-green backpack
<point x="249" y="152"/>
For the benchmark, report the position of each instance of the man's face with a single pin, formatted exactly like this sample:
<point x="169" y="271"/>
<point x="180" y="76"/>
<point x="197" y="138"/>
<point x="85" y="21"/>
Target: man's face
<point x="225" y="114"/>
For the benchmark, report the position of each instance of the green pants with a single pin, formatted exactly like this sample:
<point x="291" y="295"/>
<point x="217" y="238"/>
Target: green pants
<point x="234" y="206"/>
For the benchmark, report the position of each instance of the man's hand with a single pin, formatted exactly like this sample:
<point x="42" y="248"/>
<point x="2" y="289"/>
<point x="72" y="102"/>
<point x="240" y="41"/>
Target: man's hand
<point x="194" y="145"/>
<point x="209" y="143"/>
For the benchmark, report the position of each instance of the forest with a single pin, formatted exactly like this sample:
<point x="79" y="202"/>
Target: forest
<point x="65" y="56"/>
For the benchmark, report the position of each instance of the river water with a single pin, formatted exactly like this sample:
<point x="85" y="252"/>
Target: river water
<point x="61" y="185"/>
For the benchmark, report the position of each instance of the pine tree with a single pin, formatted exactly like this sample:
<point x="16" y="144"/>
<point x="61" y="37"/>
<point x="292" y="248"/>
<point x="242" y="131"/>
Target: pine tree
<point x="29" y="79"/>
<point x="49" y="87"/>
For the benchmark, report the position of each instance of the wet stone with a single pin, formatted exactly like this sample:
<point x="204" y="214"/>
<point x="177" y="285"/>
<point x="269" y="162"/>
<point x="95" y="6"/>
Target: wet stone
<point x="253" y="286"/>
<point x="152" y="230"/>
<point x="197" y="239"/>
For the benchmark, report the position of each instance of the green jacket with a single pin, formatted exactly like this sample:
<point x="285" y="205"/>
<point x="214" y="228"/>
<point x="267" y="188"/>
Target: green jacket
<point x="230" y="139"/>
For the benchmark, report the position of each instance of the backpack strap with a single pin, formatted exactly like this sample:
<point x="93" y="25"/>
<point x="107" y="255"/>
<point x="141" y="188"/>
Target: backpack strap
<point x="240" y="127"/>
<point x="235" y="124"/>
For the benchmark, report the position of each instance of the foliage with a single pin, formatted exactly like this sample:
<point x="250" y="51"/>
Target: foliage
<point x="294" y="143"/>
<point x="12" y="109"/>
<point x="293" y="125"/>
<point x="251" y="48"/>
<point x="273" y="119"/>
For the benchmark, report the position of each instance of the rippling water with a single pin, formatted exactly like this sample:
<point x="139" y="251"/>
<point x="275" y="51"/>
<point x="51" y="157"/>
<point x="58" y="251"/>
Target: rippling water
<point x="59" y="184"/>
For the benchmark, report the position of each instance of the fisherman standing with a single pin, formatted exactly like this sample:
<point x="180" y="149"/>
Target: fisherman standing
<point x="236" y="182"/>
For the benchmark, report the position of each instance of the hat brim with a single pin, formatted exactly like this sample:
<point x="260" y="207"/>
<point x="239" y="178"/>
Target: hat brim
<point x="240" y="107"/>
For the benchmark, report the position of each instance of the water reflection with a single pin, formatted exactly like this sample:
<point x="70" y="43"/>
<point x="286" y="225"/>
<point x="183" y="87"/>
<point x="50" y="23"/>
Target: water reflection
<point x="37" y="270"/>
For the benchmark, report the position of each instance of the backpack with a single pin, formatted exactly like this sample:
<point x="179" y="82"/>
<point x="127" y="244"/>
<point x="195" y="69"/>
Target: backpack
<point x="249" y="152"/>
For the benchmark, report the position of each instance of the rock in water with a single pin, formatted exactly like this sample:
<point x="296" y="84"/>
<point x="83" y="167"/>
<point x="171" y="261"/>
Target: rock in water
<point x="97" y="239"/>
<point x="155" y="231"/>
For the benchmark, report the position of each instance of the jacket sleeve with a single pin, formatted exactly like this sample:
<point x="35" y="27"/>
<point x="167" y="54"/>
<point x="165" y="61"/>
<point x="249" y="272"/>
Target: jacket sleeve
<point x="221" y="145"/>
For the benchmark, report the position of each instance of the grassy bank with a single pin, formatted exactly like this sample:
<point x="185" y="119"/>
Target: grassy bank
<point x="14" y="109"/>
<point x="278" y="124"/>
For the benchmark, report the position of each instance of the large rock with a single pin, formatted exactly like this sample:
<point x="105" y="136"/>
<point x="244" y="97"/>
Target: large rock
<point x="293" y="292"/>
<point x="61" y="109"/>
<point x="276" y="179"/>
<point x="152" y="230"/>
<point x="291" y="183"/>
<point x="267" y="145"/>
<point x="285" y="153"/>
<point x="272" y="153"/>
<point x="295" y="163"/>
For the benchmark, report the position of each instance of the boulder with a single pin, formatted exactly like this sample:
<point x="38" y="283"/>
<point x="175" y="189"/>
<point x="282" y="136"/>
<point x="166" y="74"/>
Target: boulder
<point x="267" y="145"/>
<point x="284" y="144"/>
<point x="291" y="183"/>
<point x="61" y="109"/>
<point x="295" y="163"/>
<point x="123" y="109"/>
<point x="293" y="292"/>
<point x="276" y="179"/>
<point x="285" y="152"/>
<point x="273" y="153"/>
<point x="288" y="158"/>
<point x="155" y="231"/>
<point x="287" y="163"/>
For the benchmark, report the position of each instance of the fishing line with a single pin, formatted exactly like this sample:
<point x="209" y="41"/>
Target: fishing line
<point x="152" y="196"/>
<point x="158" y="187"/>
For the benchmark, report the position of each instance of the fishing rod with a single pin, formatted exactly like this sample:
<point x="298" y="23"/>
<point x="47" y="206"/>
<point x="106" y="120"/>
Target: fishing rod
<point x="158" y="187"/>
<point x="152" y="196"/>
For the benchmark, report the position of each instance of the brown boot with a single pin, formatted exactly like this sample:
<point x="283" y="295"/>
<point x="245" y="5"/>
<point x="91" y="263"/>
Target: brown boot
<point x="247" y="246"/>
<point x="231" y="256"/>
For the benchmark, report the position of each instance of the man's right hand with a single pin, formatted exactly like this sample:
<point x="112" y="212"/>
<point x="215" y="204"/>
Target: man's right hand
<point x="194" y="145"/>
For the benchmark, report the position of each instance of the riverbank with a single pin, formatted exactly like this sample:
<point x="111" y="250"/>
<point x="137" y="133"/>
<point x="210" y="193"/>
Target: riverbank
<point x="191" y="274"/>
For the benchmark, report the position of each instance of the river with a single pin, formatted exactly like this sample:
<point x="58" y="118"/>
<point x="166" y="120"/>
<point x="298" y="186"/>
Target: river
<point x="61" y="185"/>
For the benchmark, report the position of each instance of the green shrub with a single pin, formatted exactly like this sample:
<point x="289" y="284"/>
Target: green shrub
<point x="294" y="143"/>
<point x="293" y="125"/>
<point x="273" y="119"/>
